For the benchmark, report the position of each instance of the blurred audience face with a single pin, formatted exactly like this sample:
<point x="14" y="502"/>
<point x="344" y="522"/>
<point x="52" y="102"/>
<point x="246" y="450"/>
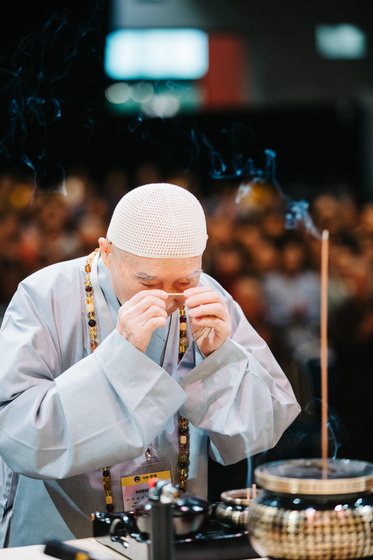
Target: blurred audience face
<point x="293" y="257"/>
<point x="265" y="256"/>
<point x="246" y="290"/>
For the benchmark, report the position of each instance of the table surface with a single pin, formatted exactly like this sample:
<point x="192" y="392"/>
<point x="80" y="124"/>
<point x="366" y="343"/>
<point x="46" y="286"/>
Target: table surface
<point x="36" y="552"/>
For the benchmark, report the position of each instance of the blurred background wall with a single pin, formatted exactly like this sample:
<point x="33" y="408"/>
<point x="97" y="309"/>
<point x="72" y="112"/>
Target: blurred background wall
<point x="267" y="77"/>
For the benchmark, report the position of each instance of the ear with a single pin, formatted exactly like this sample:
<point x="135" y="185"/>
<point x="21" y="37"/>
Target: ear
<point x="105" y="250"/>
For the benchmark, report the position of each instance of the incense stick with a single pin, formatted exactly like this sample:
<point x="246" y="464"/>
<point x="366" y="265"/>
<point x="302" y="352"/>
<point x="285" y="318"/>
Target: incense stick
<point x="251" y="493"/>
<point x="172" y="294"/>
<point x="324" y="348"/>
<point x="248" y="495"/>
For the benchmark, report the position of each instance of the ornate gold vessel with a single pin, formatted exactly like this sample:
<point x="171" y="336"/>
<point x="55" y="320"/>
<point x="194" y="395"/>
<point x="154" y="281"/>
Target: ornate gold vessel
<point x="309" y="509"/>
<point x="233" y="509"/>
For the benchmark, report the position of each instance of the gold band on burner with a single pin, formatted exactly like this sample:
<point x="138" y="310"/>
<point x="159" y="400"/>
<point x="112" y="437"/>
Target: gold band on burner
<point x="313" y="486"/>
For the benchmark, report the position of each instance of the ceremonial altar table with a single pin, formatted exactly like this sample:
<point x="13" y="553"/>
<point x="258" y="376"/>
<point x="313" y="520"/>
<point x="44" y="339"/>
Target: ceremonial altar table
<point x="36" y="552"/>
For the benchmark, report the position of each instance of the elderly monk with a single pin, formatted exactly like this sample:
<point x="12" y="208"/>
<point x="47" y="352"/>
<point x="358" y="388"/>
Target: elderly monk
<point x="127" y="364"/>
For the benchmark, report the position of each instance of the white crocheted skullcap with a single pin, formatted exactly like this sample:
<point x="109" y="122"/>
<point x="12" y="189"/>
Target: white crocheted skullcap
<point x="159" y="220"/>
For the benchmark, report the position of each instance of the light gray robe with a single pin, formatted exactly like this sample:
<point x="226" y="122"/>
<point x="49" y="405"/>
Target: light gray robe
<point x="65" y="413"/>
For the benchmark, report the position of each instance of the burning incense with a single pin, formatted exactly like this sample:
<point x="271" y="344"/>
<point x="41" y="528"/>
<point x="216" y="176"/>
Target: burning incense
<point x="172" y="294"/>
<point x="251" y="493"/>
<point x="324" y="348"/>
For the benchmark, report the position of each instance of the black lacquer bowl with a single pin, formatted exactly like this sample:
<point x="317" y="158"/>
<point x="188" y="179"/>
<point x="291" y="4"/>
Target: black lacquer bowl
<point x="310" y="509"/>
<point x="190" y="514"/>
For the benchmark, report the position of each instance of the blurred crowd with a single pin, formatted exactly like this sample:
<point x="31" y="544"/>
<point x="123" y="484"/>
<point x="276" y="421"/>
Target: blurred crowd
<point x="273" y="273"/>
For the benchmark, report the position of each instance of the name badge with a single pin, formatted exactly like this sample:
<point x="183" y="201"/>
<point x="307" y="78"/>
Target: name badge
<point x="136" y="487"/>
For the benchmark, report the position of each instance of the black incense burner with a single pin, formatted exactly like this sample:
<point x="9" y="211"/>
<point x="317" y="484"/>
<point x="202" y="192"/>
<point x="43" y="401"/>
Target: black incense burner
<point x="169" y="525"/>
<point x="313" y="509"/>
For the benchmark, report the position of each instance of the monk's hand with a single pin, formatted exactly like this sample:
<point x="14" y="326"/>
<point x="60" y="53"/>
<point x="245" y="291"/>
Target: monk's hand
<point x="141" y="315"/>
<point x="209" y="318"/>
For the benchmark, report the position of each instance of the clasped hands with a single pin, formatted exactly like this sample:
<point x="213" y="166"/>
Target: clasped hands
<point x="148" y="309"/>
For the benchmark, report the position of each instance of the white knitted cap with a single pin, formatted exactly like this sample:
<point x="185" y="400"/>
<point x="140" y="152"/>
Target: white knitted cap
<point x="159" y="220"/>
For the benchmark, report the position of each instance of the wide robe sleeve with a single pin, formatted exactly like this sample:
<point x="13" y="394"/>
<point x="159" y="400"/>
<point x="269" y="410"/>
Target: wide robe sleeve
<point x="64" y="413"/>
<point x="239" y="394"/>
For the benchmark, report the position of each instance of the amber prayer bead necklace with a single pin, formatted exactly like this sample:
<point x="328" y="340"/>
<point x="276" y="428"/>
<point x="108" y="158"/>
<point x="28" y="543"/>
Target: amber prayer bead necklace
<point x="183" y="428"/>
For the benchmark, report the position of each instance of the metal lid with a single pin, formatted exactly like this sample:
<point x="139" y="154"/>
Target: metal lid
<point x="316" y="476"/>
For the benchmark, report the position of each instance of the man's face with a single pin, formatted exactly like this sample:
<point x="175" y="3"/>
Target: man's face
<point x="131" y="274"/>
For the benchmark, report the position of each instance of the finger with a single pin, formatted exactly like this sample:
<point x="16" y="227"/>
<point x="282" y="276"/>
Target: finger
<point x="215" y="309"/>
<point x="197" y="290"/>
<point x="215" y="323"/>
<point x="203" y="298"/>
<point x="161" y="294"/>
<point x="140" y="304"/>
<point x="153" y="322"/>
<point x="138" y="315"/>
<point x="154" y="311"/>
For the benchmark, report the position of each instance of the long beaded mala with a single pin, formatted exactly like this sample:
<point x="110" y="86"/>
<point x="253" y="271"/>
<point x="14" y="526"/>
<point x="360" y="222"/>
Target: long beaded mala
<point x="183" y="422"/>
<point x="183" y="428"/>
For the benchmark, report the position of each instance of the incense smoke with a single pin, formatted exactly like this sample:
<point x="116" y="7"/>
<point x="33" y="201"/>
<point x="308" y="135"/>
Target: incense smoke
<point x="295" y="211"/>
<point x="228" y="156"/>
<point x="38" y="100"/>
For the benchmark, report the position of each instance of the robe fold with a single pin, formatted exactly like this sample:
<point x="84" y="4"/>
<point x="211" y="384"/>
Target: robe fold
<point x="65" y="413"/>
